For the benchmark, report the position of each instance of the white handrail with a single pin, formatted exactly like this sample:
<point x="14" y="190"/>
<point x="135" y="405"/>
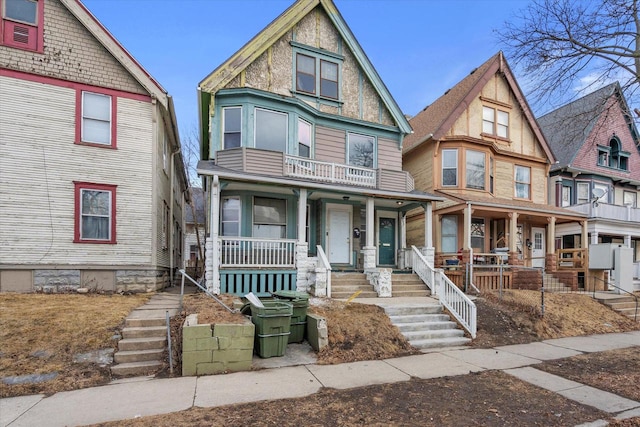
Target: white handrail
<point x="449" y="295"/>
<point x="256" y="252"/>
<point x="301" y="167"/>
<point x="322" y="257"/>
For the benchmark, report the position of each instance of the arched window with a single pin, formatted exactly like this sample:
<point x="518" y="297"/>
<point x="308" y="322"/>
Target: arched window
<point x="618" y="158"/>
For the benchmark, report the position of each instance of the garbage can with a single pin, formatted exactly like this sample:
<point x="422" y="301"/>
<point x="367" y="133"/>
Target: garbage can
<point x="273" y="326"/>
<point x="300" y="303"/>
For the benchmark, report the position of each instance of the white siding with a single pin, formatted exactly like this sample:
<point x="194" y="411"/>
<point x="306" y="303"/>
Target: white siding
<point x="39" y="163"/>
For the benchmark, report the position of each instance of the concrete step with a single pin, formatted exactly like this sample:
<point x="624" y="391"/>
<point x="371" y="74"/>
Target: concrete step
<point x="350" y="288"/>
<point x="413" y="310"/>
<point x="143" y="322"/>
<point x="136" y="368"/>
<point x="405" y="278"/>
<point x="629" y="312"/>
<point x="144" y="332"/>
<point x="622" y="305"/>
<point x="433" y="326"/>
<point x="419" y="319"/>
<point x="131" y="344"/>
<point x="409" y="286"/>
<point x="138" y="355"/>
<point x="440" y="342"/>
<point x="345" y="295"/>
<point x="432" y="334"/>
<point x="408" y="294"/>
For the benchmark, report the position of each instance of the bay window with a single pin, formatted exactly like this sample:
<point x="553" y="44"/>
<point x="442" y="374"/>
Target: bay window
<point x="475" y="169"/>
<point x="271" y="130"/>
<point x="450" y="168"/>
<point x="231" y="127"/>
<point x="304" y="138"/>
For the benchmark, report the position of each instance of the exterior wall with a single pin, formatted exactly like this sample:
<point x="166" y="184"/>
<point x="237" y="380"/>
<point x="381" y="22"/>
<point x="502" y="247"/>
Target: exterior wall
<point x="420" y="163"/>
<point x="70" y="53"/>
<point x="389" y="154"/>
<point x="330" y="145"/>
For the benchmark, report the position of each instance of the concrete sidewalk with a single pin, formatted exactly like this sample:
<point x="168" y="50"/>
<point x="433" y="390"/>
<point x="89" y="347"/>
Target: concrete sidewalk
<point x="138" y="397"/>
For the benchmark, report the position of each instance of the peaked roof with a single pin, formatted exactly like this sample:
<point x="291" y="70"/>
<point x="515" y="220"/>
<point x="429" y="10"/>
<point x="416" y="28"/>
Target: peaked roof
<point x="240" y="60"/>
<point x="568" y="127"/>
<point x="436" y="119"/>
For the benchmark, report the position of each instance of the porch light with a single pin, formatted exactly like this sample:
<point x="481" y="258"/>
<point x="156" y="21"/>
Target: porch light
<point x="400" y="202"/>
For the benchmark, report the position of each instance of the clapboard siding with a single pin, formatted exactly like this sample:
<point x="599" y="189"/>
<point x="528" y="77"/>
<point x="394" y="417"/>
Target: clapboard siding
<point x="264" y="162"/>
<point x="231" y="159"/>
<point x="330" y="145"/>
<point x="392" y="180"/>
<point x="39" y="163"/>
<point x="389" y="154"/>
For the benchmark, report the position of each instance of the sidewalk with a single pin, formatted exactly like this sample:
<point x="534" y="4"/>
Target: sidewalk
<point x="138" y="397"/>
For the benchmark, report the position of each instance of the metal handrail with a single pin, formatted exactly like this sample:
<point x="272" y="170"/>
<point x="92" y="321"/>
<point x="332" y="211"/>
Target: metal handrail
<point x="635" y="297"/>
<point x="203" y="289"/>
<point x="322" y="257"/>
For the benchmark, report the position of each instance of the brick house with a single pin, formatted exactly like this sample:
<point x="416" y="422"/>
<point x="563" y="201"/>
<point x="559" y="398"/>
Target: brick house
<point x="92" y="183"/>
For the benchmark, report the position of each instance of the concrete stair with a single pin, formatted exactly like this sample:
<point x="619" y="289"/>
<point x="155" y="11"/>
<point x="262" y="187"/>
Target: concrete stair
<point x="144" y="337"/>
<point x="426" y="326"/>
<point x="625" y="305"/>
<point x="553" y="284"/>
<point x="408" y="285"/>
<point x="343" y="285"/>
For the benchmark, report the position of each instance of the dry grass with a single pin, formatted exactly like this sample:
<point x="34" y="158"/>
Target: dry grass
<point x="565" y="315"/>
<point x="55" y="328"/>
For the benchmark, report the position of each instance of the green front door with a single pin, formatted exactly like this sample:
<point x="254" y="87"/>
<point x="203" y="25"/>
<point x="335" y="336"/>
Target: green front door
<point x="386" y="241"/>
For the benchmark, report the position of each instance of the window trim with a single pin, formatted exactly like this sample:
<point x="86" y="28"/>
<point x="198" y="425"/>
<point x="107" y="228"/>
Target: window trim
<point x="374" y="142"/>
<point x="255" y="127"/>
<point x="80" y="118"/>
<point x="311" y="133"/>
<point x="466" y="166"/>
<point x="223" y="127"/>
<point x="239" y="221"/>
<point x="442" y="167"/>
<point x="516" y="182"/>
<point x="495" y="124"/>
<point x="444" y="235"/>
<point x="579" y="185"/>
<point x="635" y="198"/>
<point x="282" y="224"/>
<point x="319" y="56"/>
<point x="6" y="24"/>
<point x="78" y="187"/>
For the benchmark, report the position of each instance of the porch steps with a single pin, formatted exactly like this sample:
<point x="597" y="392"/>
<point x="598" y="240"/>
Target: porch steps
<point x="141" y="350"/>
<point x="408" y="285"/>
<point x="343" y="285"/>
<point x="426" y="326"/>
<point x="624" y="305"/>
<point x="553" y="284"/>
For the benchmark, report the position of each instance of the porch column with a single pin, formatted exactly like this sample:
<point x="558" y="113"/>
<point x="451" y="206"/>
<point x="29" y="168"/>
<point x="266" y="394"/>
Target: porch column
<point x="550" y="257"/>
<point x="513" y="238"/>
<point x="466" y="245"/>
<point x="369" y="251"/>
<point x="585" y="235"/>
<point x="303" y="266"/>
<point x="627" y="240"/>
<point x="428" y="251"/>
<point x="212" y="272"/>
<point x="403" y="230"/>
<point x="594" y="238"/>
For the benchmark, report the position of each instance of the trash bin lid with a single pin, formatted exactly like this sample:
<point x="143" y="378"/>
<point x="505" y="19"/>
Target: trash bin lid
<point x="291" y="295"/>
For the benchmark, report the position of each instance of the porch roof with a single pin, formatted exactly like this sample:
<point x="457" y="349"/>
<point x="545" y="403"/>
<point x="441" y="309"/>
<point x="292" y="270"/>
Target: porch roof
<point x="209" y="168"/>
<point x="508" y="205"/>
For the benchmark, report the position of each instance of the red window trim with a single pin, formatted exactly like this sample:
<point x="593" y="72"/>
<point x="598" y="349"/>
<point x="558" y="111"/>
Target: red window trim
<point x="114" y="117"/>
<point x="78" y="211"/>
<point x="39" y="42"/>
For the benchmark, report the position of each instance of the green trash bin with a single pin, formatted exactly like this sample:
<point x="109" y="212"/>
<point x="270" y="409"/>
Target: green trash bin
<point x="300" y="303"/>
<point x="273" y="326"/>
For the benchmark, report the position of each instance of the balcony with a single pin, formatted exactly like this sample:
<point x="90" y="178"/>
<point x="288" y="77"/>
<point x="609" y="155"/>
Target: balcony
<point x="607" y="211"/>
<point x="275" y="163"/>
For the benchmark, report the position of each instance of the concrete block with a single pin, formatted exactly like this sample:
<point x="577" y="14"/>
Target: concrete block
<point x="317" y="331"/>
<point x="224" y="342"/>
<point x="197" y="331"/>
<point x="231" y="355"/>
<point x="191" y="358"/>
<point x="210" y="368"/>
<point x="210" y="343"/>
<point x="227" y="330"/>
<point x="242" y="343"/>
<point x="241" y="365"/>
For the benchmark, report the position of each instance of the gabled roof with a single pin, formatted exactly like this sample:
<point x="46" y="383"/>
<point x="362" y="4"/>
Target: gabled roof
<point x="436" y="119"/>
<point x="568" y="127"/>
<point x="240" y="60"/>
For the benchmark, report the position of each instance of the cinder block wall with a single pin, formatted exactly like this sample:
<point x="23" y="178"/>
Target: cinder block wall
<point x="214" y="349"/>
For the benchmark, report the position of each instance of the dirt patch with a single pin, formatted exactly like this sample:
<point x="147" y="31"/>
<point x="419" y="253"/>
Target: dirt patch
<point x="40" y="334"/>
<point x="484" y="399"/>
<point x="615" y="371"/>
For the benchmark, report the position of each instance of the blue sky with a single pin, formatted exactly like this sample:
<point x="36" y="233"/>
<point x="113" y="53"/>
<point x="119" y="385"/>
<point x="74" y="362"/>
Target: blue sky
<point x="420" y="48"/>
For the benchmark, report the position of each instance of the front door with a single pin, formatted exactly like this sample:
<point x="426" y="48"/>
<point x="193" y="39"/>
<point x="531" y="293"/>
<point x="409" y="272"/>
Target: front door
<point x="339" y="236"/>
<point x="386" y="241"/>
<point x="537" y="247"/>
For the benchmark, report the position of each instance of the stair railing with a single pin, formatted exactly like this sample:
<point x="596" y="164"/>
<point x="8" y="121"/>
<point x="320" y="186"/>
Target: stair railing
<point x="324" y="263"/>
<point x="635" y="297"/>
<point x="203" y="289"/>
<point x="450" y="296"/>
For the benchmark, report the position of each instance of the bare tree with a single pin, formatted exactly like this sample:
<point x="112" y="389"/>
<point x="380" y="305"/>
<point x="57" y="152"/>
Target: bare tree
<point x="567" y="48"/>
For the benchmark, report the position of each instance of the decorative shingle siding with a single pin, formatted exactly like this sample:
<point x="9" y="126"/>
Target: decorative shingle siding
<point x="70" y="53"/>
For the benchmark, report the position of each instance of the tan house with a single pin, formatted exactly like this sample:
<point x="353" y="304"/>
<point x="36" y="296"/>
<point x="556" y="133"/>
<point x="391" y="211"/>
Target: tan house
<point x="91" y="177"/>
<point x="479" y="146"/>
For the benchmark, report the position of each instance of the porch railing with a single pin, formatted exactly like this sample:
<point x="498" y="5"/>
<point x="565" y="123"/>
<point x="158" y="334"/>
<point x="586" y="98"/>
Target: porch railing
<point x="256" y="252"/>
<point x="450" y="296"/>
<point x="571" y="259"/>
<point x="301" y="167"/>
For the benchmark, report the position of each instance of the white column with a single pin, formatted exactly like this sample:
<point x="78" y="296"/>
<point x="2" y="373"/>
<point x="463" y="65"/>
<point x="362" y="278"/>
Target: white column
<point x="213" y="282"/>
<point x="585" y="235"/>
<point x="627" y="240"/>
<point x="302" y="215"/>
<point x="594" y="238"/>
<point x="428" y="225"/>
<point x="403" y="230"/>
<point x="467" y="227"/>
<point x="513" y="232"/>
<point x="371" y="231"/>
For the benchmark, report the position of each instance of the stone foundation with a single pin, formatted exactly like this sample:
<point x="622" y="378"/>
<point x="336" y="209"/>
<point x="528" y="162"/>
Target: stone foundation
<point x="569" y="278"/>
<point x="69" y="280"/>
<point x="527" y="279"/>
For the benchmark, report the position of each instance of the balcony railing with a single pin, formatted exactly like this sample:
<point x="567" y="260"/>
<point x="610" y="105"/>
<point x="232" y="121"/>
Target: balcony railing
<point x="329" y="172"/>
<point x="607" y="211"/>
<point x="255" y="252"/>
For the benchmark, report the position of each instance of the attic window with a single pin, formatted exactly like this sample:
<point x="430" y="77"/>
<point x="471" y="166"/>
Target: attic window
<point x="316" y="73"/>
<point x="613" y="156"/>
<point x="22" y="24"/>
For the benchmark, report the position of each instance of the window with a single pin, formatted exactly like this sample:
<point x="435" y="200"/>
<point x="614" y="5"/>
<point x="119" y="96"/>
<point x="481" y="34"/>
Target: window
<point x="22" y="24"/>
<point x="231" y="127"/>
<point x="491" y="126"/>
<point x="317" y="72"/>
<point x="477" y="234"/>
<point x="165" y="151"/>
<point x="603" y="156"/>
<point x="165" y="226"/>
<point x="269" y="218"/>
<point x="304" y="138"/>
<point x="95" y="207"/>
<point x="360" y="150"/>
<point x="475" y="169"/>
<point x="271" y="130"/>
<point x="97" y="119"/>
<point x="630" y="198"/>
<point x="449" y="234"/>
<point x="605" y="192"/>
<point x="450" y="168"/>
<point x="566" y="196"/>
<point x="491" y="174"/>
<point x="618" y="159"/>
<point x="230" y="218"/>
<point x="582" y="192"/>
<point x="523" y="182"/>
<point x="329" y="79"/>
